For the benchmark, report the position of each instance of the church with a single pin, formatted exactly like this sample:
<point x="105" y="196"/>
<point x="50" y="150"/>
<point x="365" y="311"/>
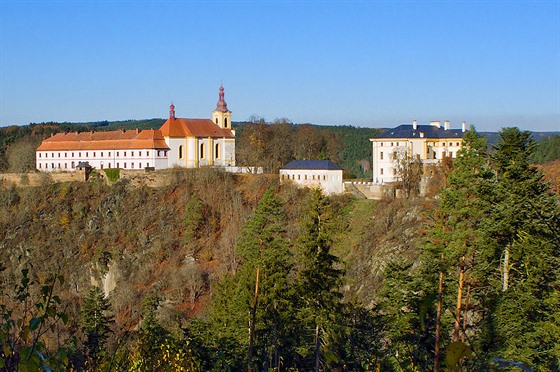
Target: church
<point x="189" y="143"/>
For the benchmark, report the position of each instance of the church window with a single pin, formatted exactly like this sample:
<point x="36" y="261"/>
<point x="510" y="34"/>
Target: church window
<point x="181" y="152"/>
<point x="225" y="122"/>
<point x="202" y="151"/>
<point x="217" y="152"/>
<point x="216" y="120"/>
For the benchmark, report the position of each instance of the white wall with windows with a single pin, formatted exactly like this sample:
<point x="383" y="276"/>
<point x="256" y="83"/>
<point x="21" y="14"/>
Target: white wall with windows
<point x="100" y="159"/>
<point x="330" y="181"/>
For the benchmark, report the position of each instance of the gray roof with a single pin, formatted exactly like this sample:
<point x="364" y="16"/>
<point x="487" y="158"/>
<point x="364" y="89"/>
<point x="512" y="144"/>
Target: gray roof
<point x="430" y="131"/>
<point x="312" y="164"/>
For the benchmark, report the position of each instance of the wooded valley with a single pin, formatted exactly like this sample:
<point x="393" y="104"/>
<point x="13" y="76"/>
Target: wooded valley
<point x="232" y="272"/>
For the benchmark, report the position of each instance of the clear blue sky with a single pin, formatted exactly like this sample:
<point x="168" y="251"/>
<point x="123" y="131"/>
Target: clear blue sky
<point x="372" y="64"/>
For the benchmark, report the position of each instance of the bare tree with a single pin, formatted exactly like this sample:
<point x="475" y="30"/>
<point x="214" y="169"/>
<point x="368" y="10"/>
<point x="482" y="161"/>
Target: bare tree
<point x="409" y="171"/>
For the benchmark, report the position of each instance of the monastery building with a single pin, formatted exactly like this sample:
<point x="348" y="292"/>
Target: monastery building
<point x="189" y="143"/>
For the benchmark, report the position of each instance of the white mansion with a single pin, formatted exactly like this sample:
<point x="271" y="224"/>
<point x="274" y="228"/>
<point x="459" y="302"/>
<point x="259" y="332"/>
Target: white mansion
<point x="429" y="143"/>
<point x="189" y="143"/>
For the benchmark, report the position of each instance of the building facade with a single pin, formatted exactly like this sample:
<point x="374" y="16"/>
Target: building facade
<point x="429" y="143"/>
<point x="189" y="143"/>
<point x="322" y="174"/>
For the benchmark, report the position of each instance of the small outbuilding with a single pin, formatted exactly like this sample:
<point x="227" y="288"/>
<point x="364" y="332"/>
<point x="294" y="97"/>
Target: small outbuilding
<point x="322" y="174"/>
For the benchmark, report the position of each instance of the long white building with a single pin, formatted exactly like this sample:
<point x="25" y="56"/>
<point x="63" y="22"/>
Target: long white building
<point x="428" y="142"/>
<point x="189" y="143"/>
<point x="322" y="174"/>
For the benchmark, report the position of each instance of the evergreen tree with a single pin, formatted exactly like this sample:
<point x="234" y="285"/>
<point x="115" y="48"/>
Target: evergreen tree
<point x="260" y="295"/>
<point x="319" y="280"/>
<point x="96" y="322"/>
<point x="526" y="225"/>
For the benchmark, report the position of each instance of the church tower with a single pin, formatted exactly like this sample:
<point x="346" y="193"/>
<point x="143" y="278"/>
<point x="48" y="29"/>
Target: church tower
<point x="221" y="115"/>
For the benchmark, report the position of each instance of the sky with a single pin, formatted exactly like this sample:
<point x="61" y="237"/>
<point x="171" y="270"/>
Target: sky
<point x="493" y="64"/>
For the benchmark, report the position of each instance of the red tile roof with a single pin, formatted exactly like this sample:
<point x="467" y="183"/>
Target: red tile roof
<point x="181" y="127"/>
<point x="116" y="139"/>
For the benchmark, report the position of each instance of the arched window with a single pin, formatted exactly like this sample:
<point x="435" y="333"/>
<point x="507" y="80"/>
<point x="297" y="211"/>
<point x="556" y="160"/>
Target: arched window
<point x="181" y="152"/>
<point x="225" y="122"/>
<point x="202" y="151"/>
<point x="217" y="152"/>
<point x="216" y="120"/>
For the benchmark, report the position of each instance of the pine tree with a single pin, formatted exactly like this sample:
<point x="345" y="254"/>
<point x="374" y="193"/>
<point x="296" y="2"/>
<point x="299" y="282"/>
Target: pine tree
<point x="260" y="294"/>
<point x="320" y="277"/>
<point x="526" y="225"/>
<point x="96" y="322"/>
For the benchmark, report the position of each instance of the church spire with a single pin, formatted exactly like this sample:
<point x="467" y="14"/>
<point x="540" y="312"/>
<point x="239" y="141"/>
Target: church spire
<point x="172" y="111"/>
<point x="221" y="105"/>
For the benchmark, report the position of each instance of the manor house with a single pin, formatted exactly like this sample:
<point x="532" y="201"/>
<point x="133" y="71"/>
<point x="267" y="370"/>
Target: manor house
<point x="428" y="143"/>
<point x="189" y="143"/>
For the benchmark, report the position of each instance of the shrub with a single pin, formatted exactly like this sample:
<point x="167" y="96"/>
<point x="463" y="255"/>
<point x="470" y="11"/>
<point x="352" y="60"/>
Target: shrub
<point x="113" y="174"/>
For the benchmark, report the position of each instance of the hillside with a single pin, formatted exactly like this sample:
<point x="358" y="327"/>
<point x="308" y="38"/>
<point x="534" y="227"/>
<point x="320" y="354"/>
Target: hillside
<point x="132" y="240"/>
<point x="210" y="271"/>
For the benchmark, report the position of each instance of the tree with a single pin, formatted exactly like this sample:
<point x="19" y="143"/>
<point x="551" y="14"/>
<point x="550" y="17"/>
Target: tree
<point x="409" y="171"/>
<point x="525" y="224"/>
<point x="21" y="155"/>
<point x="259" y="294"/>
<point x="319" y="276"/>
<point x="96" y="322"/>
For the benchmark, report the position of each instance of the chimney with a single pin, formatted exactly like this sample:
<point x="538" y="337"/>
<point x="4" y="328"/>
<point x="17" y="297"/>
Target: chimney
<point x="463" y="126"/>
<point x="436" y="123"/>
<point x="414" y="125"/>
<point x="446" y="125"/>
